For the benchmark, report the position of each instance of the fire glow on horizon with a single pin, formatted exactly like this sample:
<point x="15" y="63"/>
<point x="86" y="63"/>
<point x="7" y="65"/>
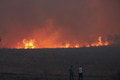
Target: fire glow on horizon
<point x="59" y="23"/>
<point x="31" y="44"/>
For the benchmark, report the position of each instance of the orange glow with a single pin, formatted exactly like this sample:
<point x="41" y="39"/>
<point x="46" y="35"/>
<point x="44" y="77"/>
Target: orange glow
<point x="77" y="46"/>
<point x="100" y="42"/>
<point x="27" y="44"/>
<point x="31" y="44"/>
<point x="67" y="45"/>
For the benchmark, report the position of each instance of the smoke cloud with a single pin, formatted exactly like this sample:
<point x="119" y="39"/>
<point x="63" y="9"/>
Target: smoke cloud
<point x="58" y="20"/>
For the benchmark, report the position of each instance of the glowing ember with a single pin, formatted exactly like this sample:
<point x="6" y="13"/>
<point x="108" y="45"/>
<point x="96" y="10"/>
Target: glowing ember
<point x="30" y="44"/>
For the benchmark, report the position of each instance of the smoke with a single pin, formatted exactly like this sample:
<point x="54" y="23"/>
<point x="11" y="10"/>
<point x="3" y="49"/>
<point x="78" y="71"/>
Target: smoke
<point x="58" y="20"/>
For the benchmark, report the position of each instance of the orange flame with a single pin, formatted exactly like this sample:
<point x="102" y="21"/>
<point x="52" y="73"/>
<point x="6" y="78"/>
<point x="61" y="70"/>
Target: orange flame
<point x="27" y="44"/>
<point x="77" y="46"/>
<point x="100" y="42"/>
<point x="30" y="44"/>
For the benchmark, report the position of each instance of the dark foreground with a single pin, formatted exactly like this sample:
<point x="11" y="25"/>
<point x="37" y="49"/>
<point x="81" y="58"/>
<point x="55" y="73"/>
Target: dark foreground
<point x="102" y="63"/>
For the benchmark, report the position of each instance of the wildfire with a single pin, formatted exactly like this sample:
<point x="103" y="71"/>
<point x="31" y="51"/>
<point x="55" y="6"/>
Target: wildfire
<point x="98" y="43"/>
<point x="77" y="46"/>
<point x="27" y="44"/>
<point x="30" y="44"/>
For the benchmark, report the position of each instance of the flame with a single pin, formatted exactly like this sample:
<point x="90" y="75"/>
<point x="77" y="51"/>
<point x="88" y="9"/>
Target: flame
<point x="67" y="45"/>
<point x="100" y="42"/>
<point x="27" y="44"/>
<point x="30" y="44"/>
<point x="77" y="46"/>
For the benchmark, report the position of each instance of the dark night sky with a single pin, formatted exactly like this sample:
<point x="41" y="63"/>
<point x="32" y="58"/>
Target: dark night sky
<point x="66" y="19"/>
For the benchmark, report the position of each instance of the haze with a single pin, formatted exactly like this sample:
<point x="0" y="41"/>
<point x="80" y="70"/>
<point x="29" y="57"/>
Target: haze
<point x="58" y="20"/>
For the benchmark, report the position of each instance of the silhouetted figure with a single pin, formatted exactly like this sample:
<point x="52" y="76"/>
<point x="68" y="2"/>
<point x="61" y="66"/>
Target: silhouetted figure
<point x="80" y="72"/>
<point x="71" y="73"/>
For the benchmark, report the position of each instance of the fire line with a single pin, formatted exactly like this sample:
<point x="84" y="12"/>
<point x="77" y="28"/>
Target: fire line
<point x="31" y="44"/>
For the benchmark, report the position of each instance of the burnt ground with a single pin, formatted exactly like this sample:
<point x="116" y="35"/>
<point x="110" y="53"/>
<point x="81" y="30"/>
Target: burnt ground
<point x="101" y="63"/>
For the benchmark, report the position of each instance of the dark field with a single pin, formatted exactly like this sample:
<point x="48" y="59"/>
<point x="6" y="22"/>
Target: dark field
<point x="102" y="63"/>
